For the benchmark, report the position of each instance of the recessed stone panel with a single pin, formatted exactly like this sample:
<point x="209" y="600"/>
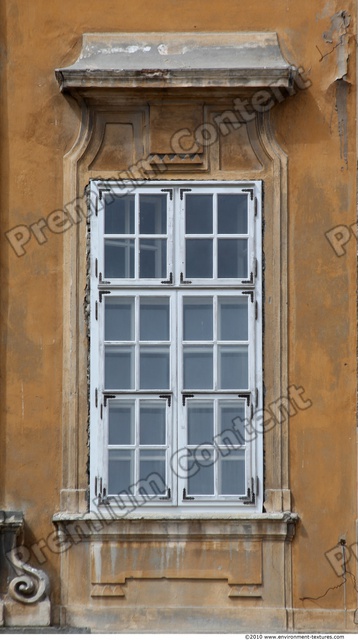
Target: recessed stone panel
<point x="238" y="562"/>
<point x="236" y="153"/>
<point x="116" y="150"/>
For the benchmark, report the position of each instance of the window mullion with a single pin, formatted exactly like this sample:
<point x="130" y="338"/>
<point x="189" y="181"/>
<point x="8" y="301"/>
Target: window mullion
<point x="215" y="344"/>
<point x="136" y="232"/>
<point x="215" y="234"/>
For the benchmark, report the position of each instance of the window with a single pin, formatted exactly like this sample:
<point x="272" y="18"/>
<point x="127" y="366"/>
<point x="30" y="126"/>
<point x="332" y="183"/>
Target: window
<point x="176" y="363"/>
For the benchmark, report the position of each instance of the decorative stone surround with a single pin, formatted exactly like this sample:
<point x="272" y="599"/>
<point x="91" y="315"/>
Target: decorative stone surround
<point x="139" y="94"/>
<point x="25" y="595"/>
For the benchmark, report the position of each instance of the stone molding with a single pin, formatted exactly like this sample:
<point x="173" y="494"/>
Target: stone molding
<point x="178" y="60"/>
<point x="26" y="595"/>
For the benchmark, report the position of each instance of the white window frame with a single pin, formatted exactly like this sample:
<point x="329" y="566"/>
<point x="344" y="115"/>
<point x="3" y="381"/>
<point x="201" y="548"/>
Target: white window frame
<point x="176" y="286"/>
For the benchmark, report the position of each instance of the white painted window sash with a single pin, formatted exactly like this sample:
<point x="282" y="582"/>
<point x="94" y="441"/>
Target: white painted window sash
<point x="176" y="290"/>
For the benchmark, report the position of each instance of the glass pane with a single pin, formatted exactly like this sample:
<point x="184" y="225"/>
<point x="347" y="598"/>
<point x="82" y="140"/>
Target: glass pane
<point x="198" y="318"/>
<point x="233" y="318"/>
<point x="120" y="471"/>
<point x="199" y="214"/>
<point x="119" y="367"/>
<point x="231" y="427"/>
<point x="232" y="474"/>
<point x="201" y="474"/>
<point x="119" y="258"/>
<point x="154" y="368"/>
<point x="232" y="214"/>
<point x="153" y="258"/>
<point x="232" y="258"/>
<point x="152" y="214"/>
<point x="121" y="416"/>
<point x="154" y="319"/>
<point x="199" y="258"/>
<point x="119" y="320"/>
<point x="233" y="368"/>
<point x="119" y="214"/>
<point x="152" y="463"/>
<point x="198" y="368"/>
<point x="152" y="422"/>
<point x="200" y="422"/>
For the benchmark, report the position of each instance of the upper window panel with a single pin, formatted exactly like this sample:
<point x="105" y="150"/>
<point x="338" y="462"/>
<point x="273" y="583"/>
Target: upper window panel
<point x="216" y="236"/>
<point x="175" y="236"/>
<point x="135" y="245"/>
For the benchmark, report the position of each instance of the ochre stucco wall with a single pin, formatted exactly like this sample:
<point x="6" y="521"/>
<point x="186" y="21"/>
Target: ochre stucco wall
<point x="316" y="128"/>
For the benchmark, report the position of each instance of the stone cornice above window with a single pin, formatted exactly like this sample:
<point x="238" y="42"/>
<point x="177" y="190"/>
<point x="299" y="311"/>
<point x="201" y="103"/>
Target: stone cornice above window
<point x="177" y="61"/>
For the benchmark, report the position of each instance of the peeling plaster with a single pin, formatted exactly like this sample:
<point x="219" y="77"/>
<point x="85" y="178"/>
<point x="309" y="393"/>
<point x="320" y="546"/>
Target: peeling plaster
<point x="342" y="89"/>
<point x="338" y="39"/>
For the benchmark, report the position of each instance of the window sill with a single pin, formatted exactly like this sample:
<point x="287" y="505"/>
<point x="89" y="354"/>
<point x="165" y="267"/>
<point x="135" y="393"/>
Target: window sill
<point x="286" y="516"/>
<point x="254" y="526"/>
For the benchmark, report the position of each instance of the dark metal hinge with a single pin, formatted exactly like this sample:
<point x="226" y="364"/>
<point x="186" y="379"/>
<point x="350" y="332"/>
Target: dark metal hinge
<point x="185" y="396"/>
<point x="256" y="310"/>
<point x="251" y="281"/>
<point x="96" y="310"/>
<point x="103" y="281"/>
<point x="250" y="497"/>
<point x="249" y="293"/>
<point x="101" y="293"/>
<point x="182" y="191"/>
<point x="170" y="191"/>
<point x="168" y="496"/>
<point x="185" y="497"/>
<point x="170" y="279"/>
<point x="247" y="397"/>
<point x="106" y="396"/>
<point x="96" y="397"/>
<point x="101" y="191"/>
<point x="182" y="281"/>
<point x="250" y="191"/>
<point x="256" y="207"/>
<point x="166" y="396"/>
